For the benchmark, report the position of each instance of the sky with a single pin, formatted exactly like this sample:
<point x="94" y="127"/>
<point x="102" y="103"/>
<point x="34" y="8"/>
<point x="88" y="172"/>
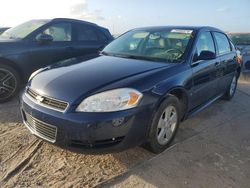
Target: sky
<point x="122" y="15"/>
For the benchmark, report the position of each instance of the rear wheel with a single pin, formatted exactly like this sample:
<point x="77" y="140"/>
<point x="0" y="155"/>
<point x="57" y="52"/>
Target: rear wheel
<point x="232" y="88"/>
<point x="9" y="83"/>
<point x="164" y="126"/>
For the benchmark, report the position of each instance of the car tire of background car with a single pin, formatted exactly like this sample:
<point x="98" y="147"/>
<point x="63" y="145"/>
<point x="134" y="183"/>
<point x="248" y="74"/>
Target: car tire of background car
<point x="164" y="125"/>
<point x="232" y="88"/>
<point x="9" y="83"/>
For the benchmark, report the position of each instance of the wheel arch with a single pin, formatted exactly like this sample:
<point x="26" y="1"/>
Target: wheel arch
<point x="182" y="95"/>
<point x="7" y="62"/>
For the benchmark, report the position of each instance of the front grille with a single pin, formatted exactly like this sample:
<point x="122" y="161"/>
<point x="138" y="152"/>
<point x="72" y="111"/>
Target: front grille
<point x="47" y="101"/>
<point x="41" y="129"/>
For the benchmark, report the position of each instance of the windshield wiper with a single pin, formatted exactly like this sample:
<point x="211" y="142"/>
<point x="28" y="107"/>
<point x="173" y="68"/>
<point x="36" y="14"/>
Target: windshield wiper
<point x="147" y="58"/>
<point x="12" y="37"/>
<point x="112" y="54"/>
<point x="129" y="56"/>
<point x="108" y="54"/>
<point x="104" y="53"/>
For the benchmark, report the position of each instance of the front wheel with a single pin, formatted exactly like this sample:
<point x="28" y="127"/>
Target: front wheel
<point x="232" y="88"/>
<point x="164" y="125"/>
<point x="9" y="83"/>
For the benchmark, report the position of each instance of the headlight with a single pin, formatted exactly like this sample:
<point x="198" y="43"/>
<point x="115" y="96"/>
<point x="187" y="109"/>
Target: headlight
<point x="111" y="101"/>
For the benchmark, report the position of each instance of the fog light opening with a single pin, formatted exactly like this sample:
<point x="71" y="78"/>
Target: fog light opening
<point x="118" y="122"/>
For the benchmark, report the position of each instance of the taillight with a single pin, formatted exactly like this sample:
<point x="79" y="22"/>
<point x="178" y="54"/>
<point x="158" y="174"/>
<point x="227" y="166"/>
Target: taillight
<point x="238" y="60"/>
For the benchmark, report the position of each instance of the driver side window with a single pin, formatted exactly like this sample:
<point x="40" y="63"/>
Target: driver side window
<point x="205" y="43"/>
<point x="60" y="32"/>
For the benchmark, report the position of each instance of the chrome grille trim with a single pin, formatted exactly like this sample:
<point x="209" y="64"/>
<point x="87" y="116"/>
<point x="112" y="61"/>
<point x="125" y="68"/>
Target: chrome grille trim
<point x="41" y="129"/>
<point x="47" y="102"/>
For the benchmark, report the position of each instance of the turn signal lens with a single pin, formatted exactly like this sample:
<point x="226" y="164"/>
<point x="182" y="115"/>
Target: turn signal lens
<point x="238" y="60"/>
<point x="133" y="98"/>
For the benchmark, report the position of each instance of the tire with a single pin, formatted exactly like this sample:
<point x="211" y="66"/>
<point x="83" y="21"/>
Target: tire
<point x="156" y="140"/>
<point x="9" y="83"/>
<point x="232" y="88"/>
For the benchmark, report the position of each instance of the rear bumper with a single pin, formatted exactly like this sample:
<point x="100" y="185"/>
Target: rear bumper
<point x="90" y="132"/>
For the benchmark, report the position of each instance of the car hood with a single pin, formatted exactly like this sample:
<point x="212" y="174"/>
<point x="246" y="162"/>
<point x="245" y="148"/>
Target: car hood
<point x="4" y="39"/>
<point x="9" y="46"/>
<point x="69" y="80"/>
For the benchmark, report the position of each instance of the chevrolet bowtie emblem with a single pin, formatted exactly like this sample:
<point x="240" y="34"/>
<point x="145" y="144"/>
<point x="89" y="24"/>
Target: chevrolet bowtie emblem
<point x="39" y="98"/>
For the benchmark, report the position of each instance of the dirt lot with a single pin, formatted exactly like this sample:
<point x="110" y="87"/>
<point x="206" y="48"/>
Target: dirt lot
<point x="28" y="161"/>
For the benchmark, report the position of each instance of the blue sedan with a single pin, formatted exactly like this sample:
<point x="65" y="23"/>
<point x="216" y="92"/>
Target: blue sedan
<point x="136" y="93"/>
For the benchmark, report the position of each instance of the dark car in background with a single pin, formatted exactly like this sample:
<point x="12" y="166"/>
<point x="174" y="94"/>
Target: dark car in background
<point x="242" y="42"/>
<point x="39" y="43"/>
<point x="137" y="92"/>
<point x="2" y="29"/>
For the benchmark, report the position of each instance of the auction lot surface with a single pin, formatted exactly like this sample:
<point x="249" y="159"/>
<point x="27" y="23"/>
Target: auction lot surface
<point x="211" y="150"/>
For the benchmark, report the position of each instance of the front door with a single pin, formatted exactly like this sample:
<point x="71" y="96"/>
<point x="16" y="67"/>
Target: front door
<point x="44" y="54"/>
<point x="205" y="74"/>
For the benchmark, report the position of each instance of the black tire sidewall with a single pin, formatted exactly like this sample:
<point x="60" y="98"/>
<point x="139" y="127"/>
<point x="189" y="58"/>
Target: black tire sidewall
<point x="228" y="95"/>
<point x="152" y="143"/>
<point x="17" y="78"/>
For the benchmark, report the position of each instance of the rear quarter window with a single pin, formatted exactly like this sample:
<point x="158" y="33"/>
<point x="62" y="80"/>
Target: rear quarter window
<point x="102" y="36"/>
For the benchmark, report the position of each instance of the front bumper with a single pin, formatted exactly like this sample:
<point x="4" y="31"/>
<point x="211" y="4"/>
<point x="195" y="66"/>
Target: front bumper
<point x="88" y="132"/>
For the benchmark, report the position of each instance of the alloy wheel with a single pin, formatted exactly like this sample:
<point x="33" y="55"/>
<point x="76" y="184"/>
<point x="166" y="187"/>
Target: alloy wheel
<point x="167" y="125"/>
<point x="8" y="84"/>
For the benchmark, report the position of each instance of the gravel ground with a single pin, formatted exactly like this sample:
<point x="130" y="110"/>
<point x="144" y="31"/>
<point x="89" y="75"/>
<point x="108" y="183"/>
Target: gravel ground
<point x="26" y="161"/>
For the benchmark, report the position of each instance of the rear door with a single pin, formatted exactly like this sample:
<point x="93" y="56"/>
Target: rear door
<point x="205" y="77"/>
<point x="228" y="63"/>
<point x="87" y="40"/>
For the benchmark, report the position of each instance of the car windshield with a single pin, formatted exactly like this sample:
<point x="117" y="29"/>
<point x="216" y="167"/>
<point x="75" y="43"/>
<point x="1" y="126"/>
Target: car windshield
<point x="23" y="30"/>
<point x="240" y="39"/>
<point x="164" y="45"/>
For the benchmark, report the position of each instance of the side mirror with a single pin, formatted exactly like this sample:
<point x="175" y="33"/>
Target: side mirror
<point x="45" y="38"/>
<point x="204" y="55"/>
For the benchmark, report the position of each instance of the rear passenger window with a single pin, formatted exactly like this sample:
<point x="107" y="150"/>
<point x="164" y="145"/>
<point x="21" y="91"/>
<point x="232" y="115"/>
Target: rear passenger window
<point x="86" y="33"/>
<point x="102" y="36"/>
<point x="222" y="42"/>
<point x="205" y="43"/>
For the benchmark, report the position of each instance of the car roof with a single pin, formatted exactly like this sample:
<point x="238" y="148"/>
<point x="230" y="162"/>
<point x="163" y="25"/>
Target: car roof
<point x="73" y="20"/>
<point x="196" y="28"/>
